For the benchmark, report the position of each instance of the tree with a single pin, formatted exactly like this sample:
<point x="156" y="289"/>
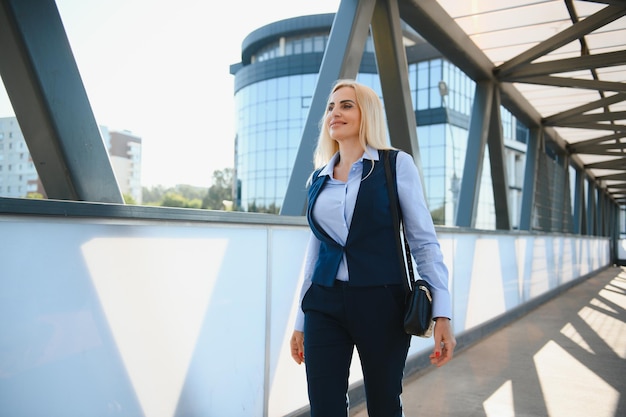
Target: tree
<point x="259" y="208"/>
<point x="438" y="215"/>
<point x="221" y="191"/>
<point x="128" y="199"/>
<point x="218" y="197"/>
<point x="172" y="199"/>
<point x="153" y="196"/>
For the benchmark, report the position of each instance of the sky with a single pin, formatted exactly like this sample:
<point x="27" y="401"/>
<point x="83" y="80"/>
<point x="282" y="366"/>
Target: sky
<point x="161" y="70"/>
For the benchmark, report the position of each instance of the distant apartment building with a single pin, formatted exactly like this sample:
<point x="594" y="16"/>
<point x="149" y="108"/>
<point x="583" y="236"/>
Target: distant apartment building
<point x="125" y="154"/>
<point x="19" y="178"/>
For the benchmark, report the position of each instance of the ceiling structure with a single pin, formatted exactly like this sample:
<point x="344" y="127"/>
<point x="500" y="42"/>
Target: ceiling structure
<point x="561" y="65"/>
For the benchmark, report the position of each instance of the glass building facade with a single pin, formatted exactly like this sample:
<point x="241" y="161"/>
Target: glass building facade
<point x="274" y="85"/>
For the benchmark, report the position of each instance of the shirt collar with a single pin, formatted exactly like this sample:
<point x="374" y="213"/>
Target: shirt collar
<point x="370" y="153"/>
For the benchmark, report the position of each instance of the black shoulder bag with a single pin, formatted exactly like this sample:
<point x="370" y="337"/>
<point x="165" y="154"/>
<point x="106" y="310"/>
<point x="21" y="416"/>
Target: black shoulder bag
<point x="418" y="317"/>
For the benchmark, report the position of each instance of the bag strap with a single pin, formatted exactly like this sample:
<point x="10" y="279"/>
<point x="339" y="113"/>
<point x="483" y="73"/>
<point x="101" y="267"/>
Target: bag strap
<point x="397" y="219"/>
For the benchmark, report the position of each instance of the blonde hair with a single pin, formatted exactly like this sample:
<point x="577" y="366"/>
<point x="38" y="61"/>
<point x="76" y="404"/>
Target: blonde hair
<point x="373" y="129"/>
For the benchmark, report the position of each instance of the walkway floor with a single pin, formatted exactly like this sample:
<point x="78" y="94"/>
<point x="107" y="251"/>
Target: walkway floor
<point x="566" y="358"/>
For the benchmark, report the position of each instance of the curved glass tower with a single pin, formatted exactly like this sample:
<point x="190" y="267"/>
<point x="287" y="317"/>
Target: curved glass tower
<point x="274" y="83"/>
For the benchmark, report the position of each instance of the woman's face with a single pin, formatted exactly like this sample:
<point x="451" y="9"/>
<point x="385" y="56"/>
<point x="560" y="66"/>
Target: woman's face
<point x="343" y="116"/>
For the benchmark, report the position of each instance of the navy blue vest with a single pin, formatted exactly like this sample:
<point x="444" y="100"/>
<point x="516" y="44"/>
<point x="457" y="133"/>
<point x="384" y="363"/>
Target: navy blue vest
<point x="370" y="248"/>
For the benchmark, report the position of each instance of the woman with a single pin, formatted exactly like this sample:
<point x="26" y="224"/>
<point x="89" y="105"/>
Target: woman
<point x="353" y="294"/>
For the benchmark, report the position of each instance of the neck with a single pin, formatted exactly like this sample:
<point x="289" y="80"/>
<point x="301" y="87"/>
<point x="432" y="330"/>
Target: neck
<point x="349" y="153"/>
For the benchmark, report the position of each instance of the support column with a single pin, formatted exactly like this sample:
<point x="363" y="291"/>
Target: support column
<point x="530" y="178"/>
<point x="579" y="207"/>
<point x="51" y="105"/>
<point x="394" y="80"/>
<point x="342" y="59"/>
<point x="477" y="139"/>
<point x="497" y="159"/>
<point x="591" y="209"/>
<point x="564" y="210"/>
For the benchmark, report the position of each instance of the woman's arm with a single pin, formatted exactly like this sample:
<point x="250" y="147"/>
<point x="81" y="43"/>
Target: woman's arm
<point x="426" y="251"/>
<point x="421" y="234"/>
<point x="312" y="252"/>
<point x="296" y="344"/>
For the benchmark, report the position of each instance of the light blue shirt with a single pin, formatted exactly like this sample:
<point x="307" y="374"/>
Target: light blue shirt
<point x="333" y="211"/>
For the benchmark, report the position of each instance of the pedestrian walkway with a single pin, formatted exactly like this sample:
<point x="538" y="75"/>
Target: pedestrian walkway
<point x="566" y="358"/>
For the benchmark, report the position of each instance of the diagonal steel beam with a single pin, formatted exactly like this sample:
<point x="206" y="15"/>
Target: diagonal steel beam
<point x="474" y="155"/>
<point x="497" y="160"/>
<point x="342" y="58"/>
<point x="595" y="147"/>
<point x="607" y="152"/>
<point x="531" y="169"/>
<point x="614" y="2"/>
<point x="596" y="117"/>
<point x="394" y="79"/>
<point x="585" y="62"/>
<point x="594" y="126"/>
<point x="597" y="20"/>
<point x="576" y="111"/>
<point x="617" y="163"/>
<point x="591" y="142"/>
<point x="573" y="83"/>
<point x="613" y="177"/>
<point x="431" y="21"/>
<point x="51" y="105"/>
<point x="393" y="70"/>
<point x="579" y="207"/>
<point x="599" y="147"/>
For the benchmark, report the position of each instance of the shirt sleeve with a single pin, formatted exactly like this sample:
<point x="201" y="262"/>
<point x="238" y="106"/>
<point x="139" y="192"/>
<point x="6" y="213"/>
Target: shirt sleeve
<point x="312" y="253"/>
<point x="421" y="234"/>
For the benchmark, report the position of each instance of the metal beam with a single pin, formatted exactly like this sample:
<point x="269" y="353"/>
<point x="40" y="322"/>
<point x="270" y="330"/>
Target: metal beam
<point x="582" y="144"/>
<point x="530" y="178"/>
<point x="564" y="212"/>
<point x="432" y="22"/>
<point x="584" y="62"/>
<point x="393" y="71"/>
<point x="576" y="111"/>
<point x="394" y="79"/>
<point x="609" y="149"/>
<point x="497" y="160"/>
<point x="574" y="32"/>
<point x="601" y="214"/>
<point x="591" y="208"/>
<point x="598" y="117"/>
<point x="474" y="157"/>
<point x="614" y="2"/>
<point x="579" y="207"/>
<point x="613" y="177"/>
<point x="342" y="58"/>
<point x="45" y="88"/>
<point x="571" y="83"/>
<point x="595" y="126"/>
<point x="617" y="163"/>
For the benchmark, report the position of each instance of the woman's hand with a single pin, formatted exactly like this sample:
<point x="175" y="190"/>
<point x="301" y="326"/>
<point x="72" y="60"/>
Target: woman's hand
<point x="297" y="346"/>
<point x="444" y="342"/>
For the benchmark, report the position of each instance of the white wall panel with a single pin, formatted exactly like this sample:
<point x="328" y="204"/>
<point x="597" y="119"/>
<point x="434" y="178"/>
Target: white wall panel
<point x="162" y="318"/>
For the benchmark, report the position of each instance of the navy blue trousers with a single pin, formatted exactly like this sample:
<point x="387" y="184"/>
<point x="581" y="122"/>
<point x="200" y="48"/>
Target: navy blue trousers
<point x="339" y="318"/>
